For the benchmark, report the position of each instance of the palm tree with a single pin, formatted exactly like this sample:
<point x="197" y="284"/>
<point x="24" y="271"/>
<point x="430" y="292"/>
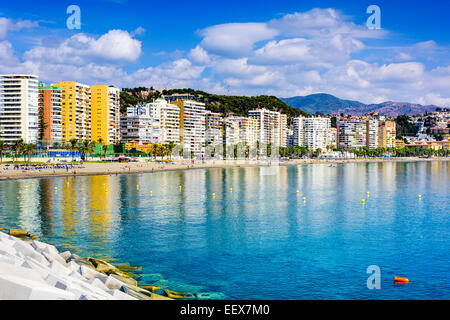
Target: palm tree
<point x="85" y="147"/>
<point x="17" y="147"/>
<point x="28" y="150"/>
<point x="73" y="147"/>
<point x="105" y="149"/>
<point x="170" y="148"/>
<point x="2" y="150"/>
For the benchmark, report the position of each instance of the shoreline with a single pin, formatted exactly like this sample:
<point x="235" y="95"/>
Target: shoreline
<point x="107" y="168"/>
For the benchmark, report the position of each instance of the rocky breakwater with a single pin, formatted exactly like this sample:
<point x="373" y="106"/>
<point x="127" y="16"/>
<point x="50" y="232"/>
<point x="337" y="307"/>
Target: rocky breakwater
<point x="33" y="270"/>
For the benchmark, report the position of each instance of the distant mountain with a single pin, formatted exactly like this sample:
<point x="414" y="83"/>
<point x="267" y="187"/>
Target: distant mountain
<point x="328" y="104"/>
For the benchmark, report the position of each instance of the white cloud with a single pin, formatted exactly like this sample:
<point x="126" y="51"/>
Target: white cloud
<point x="114" y="46"/>
<point x="235" y="39"/>
<point x="7" y="25"/>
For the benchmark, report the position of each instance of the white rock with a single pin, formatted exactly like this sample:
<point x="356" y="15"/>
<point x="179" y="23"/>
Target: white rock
<point x="90" y="273"/>
<point x="28" y="251"/>
<point x="41" y="246"/>
<point x="113" y="283"/>
<point x="19" y="288"/>
<point x="6" y="242"/>
<point x="53" y="257"/>
<point x="58" y="269"/>
<point x="72" y="265"/>
<point x="39" y="268"/>
<point x="98" y="284"/>
<point x="19" y="271"/>
<point x="119" y="295"/>
<point x="65" y="255"/>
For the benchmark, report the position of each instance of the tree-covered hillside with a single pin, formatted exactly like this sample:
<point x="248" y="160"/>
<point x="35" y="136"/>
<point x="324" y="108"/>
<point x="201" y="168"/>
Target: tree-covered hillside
<point x="227" y="105"/>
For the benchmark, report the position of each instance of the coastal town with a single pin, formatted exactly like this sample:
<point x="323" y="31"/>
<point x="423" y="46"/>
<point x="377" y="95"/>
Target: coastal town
<point x="69" y="118"/>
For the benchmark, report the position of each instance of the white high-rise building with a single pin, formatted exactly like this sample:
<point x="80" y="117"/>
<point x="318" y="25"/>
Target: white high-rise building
<point x="192" y="126"/>
<point x="137" y="125"/>
<point x="313" y="133"/>
<point x="165" y="121"/>
<point x="269" y="126"/>
<point x="19" y="107"/>
<point x="214" y="130"/>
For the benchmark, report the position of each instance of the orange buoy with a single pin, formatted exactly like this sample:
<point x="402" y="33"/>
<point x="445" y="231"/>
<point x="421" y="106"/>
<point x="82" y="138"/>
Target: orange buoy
<point x="401" y="280"/>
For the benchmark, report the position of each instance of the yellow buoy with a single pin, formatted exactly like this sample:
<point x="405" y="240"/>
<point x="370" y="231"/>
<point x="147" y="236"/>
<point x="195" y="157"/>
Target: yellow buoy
<point x="304" y="199"/>
<point x="368" y="193"/>
<point x="231" y="189"/>
<point x="137" y="187"/>
<point x="213" y="195"/>
<point x="363" y="201"/>
<point x="420" y="196"/>
<point x="298" y="192"/>
<point x="151" y="193"/>
<point x="179" y="188"/>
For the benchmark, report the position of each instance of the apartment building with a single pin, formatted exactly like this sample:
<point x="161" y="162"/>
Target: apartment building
<point x="136" y="125"/>
<point x="18" y="107"/>
<point x="75" y="111"/>
<point x="269" y="126"/>
<point x="283" y="130"/>
<point x="105" y="114"/>
<point x="165" y="121"/>
<point x="387" y="134"/>
<point x="313" y="133"/>
<point x="214" y="128"/>
<point x="248" y="130"/>
<point x="49" y="101"/>
<point x="192" y="126"/>
<point x="354" y="133"/>
<point x="231" y="130"/>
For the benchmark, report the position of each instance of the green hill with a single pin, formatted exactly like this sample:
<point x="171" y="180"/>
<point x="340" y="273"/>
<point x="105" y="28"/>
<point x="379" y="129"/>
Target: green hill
<point x="226" y="105"/>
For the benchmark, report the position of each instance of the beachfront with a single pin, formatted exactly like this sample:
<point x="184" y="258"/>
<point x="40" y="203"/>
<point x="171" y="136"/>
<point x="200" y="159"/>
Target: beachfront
<point x="11" y="171"/>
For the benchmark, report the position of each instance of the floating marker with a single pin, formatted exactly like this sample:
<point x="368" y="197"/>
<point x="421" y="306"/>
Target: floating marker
<point x="304" y="199"/>
<point x="401" y="280"/>
<point x="231" y="189"/>
<point x="368" y="193"/>
<point x="137" y="187"/>
<point x="213" y="195"/>
<point x="151" y="193"/>
<point x="298" y="192"/>
<point x="363" y="201"/>
<point x="420" y="196"/>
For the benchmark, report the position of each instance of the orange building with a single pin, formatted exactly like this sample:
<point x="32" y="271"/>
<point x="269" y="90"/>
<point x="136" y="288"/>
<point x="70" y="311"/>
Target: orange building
<point x="49" y="101"/>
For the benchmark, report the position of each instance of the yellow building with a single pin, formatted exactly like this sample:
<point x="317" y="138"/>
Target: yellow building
<point x="75" y="110"/>
<point x="105" y="114"/>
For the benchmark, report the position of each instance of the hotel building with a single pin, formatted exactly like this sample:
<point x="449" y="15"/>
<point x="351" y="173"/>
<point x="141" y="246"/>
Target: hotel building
<point x="248" y="130"/>
<point x="75" y="111"/>
<point x="50" y="129"/>
<point x="313" y="133"/>
<point x="105" y="114"/>
<point x="18" y="108"/>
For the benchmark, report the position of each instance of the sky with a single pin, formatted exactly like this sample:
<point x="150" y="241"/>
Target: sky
<point x="246" y="47"/>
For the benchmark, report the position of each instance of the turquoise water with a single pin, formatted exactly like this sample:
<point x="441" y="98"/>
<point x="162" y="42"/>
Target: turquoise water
<point x="260" y="241"/>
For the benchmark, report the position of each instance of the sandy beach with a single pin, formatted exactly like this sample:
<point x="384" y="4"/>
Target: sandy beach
<point x="7" y="172"/>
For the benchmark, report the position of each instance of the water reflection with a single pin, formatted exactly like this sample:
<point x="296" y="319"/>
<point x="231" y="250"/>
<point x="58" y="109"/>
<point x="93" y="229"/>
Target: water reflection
<point x="261" y="231"/>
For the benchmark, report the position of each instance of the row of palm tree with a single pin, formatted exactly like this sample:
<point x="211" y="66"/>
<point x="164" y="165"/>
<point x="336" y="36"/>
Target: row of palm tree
<point x="17" y="148"/>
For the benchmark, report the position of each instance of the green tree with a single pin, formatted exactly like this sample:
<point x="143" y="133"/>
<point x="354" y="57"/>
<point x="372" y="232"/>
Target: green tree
<point x="73" y="147"/>
<point x="3" y="149"/>
<point x="28" y="150"/>
<point x="17" y="148"/>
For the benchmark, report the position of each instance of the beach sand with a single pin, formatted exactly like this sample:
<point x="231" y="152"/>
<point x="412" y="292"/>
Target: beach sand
<point x="95" y="168"/>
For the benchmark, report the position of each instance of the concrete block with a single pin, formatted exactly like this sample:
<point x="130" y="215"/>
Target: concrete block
<point x="72" y="265"/>
<point x="19" y="288"/>
<point x="98" y="284"/>
<point x="90" y="273"/>
<point x="41" y="246"/>
<point x="65" y="255"/>
<point x="28" y="251"/>
<point x="58" y="269"/>
<point x="53" y="257"/>
<point x="19" y="271"/>
<point x="119" y="295"/>
<point x="113" y="283"/>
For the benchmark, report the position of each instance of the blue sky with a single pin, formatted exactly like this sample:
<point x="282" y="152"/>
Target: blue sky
<point x="284" y="48"/>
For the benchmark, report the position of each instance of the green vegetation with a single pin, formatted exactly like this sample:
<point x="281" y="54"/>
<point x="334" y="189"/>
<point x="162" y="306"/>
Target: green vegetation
<point x="405" y="127"/>
<point x="226" y="105"/>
